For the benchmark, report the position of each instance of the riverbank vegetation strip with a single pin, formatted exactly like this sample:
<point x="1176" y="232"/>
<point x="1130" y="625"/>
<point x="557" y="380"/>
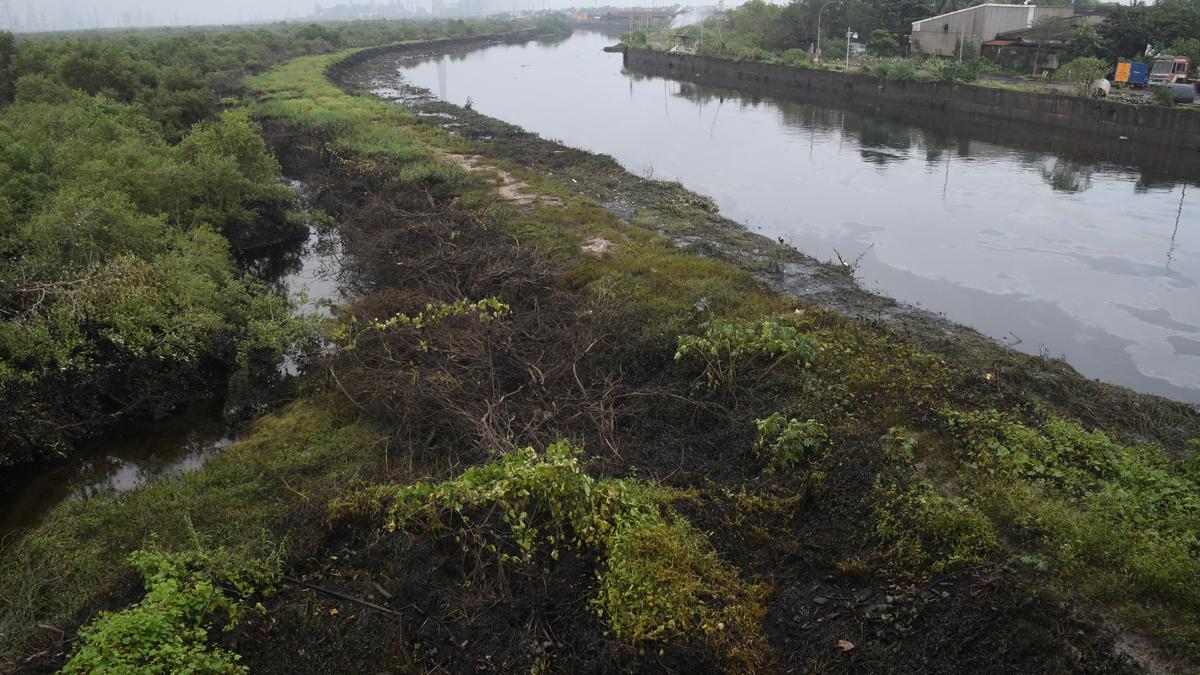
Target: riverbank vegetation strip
<point x="787" y="35"/>
<point x="627" y="456"/>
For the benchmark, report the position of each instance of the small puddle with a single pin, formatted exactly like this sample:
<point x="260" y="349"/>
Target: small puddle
<point x="123" y="460"/>
<point x="114" y="463"/>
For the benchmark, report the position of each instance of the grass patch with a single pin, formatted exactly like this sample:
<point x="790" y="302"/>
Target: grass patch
<point x="242" y="499"/>
<point x="922" y="529"/>
<point x="1118" y="522"/>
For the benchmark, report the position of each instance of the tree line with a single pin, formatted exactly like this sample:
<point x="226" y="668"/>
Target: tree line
<point x="1165" y="26"/>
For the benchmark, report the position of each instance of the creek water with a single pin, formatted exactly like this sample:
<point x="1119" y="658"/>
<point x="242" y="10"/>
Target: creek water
<point x="1048" y="251"/>
<point x="124" y="459"/>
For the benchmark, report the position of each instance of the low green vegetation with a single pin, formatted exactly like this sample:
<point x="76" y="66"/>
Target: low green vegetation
<point x="187" y="597"/>
<point x="373" y="471"/>
<point x="179" y="77"/>
<point x="241" y="501"/>
<point x="115" y="276"/>
<point x="659" y="579"/>
<point x="1119" y="520"/>
<point x="787" y="444"/>
<point x="725" y="348"/>
<point x="921" y="530"/>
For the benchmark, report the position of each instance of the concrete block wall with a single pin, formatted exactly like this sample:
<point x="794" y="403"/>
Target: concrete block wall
<point x="961" y="105"/>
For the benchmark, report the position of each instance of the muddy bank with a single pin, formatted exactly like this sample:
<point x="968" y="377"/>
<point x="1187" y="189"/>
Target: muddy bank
<point x="1146" y="134"/>
<point x="692" y="222"/>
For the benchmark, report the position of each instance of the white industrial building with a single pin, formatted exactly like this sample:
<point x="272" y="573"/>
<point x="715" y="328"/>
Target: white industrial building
<point x="940" y="35"/>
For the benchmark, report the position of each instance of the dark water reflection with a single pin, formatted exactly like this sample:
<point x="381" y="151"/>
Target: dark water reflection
<point x="118" y="462"/>
<point x="1046" y="249"/>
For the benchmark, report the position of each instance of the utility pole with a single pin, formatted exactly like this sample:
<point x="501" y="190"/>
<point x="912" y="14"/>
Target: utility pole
<point x="819" y="12"/>
<point x="962" y="32"/>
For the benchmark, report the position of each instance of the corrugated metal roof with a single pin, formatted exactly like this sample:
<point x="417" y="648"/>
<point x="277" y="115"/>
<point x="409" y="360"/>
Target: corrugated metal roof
<point x="999" y="43"/>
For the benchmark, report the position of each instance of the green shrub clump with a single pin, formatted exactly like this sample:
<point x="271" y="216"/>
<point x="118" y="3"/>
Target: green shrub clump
<point x="788" y="444"/>
<point x="726" y="347"/>
<point x="947" y="70"/>
<point x="660" y="578"/>
<point x="168" y="630"/>
<point x="1081" y="73"/>
<point x="899" y="71"/>
<point x="116" y="284"/>
<point x="1164" y="96"/>
<point x="881" y="43"/>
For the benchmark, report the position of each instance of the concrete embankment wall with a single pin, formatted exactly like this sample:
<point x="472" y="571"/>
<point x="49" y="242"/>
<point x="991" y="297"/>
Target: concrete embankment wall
<point x="983" y="109"/>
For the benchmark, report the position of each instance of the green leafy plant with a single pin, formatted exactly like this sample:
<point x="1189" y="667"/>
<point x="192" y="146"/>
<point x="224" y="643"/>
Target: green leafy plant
<point x="187" y="596"/>
<point x="725" y="347"/>
<point x="788" y="444"/>
<point x="663" y="580"/>
<point x="899" y="444"/>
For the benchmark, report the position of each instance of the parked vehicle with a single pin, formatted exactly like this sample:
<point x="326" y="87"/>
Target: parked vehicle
<point x="1171" y="70"/>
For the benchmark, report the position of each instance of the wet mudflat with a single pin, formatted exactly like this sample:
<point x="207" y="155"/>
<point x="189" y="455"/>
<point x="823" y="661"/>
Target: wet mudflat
<point x="1047" y="251"/>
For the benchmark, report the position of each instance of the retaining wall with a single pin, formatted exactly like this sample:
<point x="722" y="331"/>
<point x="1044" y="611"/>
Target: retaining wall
<point x="984" y="109"/>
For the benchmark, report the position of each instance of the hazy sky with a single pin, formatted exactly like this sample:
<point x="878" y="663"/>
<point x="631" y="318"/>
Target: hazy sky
<point x="69" y="14"/>
<point x="59" y="14"/>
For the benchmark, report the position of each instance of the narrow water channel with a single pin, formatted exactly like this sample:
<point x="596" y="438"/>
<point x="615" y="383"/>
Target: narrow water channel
<point x="1048" y="252"/>
<point x="124" y="459"/>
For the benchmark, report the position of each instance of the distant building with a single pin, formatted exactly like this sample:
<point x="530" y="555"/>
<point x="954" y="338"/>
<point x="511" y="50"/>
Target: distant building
<point x="940" y="35"/>
<point x="1041" y="46"/>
